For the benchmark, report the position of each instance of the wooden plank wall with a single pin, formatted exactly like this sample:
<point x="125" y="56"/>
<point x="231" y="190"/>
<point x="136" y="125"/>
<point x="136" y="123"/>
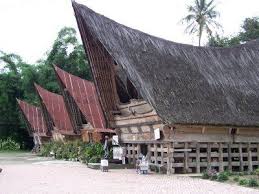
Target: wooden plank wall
<point x="190" y="157"/>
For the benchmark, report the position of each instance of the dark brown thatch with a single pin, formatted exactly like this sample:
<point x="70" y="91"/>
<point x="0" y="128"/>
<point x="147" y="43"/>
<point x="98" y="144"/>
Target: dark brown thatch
<point x="184" y="83"/>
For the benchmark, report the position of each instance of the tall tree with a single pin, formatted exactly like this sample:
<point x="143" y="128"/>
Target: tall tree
<point x="202" y="16"/>
<point x="67" y="53"/>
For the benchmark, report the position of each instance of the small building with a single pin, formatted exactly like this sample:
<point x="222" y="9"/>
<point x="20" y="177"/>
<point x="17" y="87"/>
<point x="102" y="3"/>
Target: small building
<point x="186" y="108"/>
<point x="35" y="123"/>
<point x="56" y="115"/>
<point x="83" y="106"/>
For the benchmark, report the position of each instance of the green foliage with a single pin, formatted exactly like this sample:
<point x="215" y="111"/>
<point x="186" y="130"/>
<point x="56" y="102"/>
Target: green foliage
<point x="17" y="80"/>
<point x="216" y="41"/>
<point x="9" y="145"/>
<point x="210" y="174"/>
<point x="236" y="179"/>
<point x="252" y="182"/>
<point x="223" y="176"/>
<point x="205" y="175"/>
<point x="243" y="182"/>
<point x="74" y="150"/>
<point x="250" y="31"/>
<point x="257" y="172"/>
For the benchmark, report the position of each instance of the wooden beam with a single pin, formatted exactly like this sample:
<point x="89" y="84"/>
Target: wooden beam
<point x="162" y="154"/>
<point x="198" y="166"/>
<point x="186" y="158"/>
<point x="221" y="167"/>
<point x="209" y="156"/>
<point x="229" y="158"/>
<point x="133" y="154"/>
<point x="129" y="154"/>
<point x="250" y="165"/>
<point x="241" y="157"/>
<point x="155" y="153"/>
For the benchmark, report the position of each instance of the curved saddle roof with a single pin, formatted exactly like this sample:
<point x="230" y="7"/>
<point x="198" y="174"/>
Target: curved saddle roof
<point x="55" y="106"/>
<point x="185" y="84"/>
<point x="85" y="96"/>
<point x="34" y="118"/>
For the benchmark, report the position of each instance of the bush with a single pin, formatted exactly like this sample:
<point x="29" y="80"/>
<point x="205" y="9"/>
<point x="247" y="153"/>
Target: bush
<point x="240" y="174"/>
<point x="210" y="174"/>
<point x="252" y="182"/>
<point x="9" y="145"/>
<point x="236" y="179"/>
<point x="205" y="175"/>
<point x="223" y="176"/>
<point x="243" y="182"/>
<point x="74" y="150"/>
<point x="257" y="172"/>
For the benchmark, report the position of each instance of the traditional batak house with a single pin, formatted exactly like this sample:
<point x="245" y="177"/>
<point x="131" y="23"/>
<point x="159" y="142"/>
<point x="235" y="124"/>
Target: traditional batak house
<point x="83" y="105"/>
<point x="187" y="108"/>
<point x="35" y="123"/>
<point x="56" y="115"/>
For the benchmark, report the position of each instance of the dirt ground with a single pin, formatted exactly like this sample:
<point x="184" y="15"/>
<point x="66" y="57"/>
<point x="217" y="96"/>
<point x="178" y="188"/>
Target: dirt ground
<point x="24" y="173"/>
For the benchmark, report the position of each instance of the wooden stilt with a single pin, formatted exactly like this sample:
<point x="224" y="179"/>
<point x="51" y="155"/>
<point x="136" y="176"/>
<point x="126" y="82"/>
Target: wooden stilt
<point x="241" y="157"/>
<point x="162" y="154"/>
<point x="229" y="158"/>
<point x="149" y="153"/>
<point x="129" y="155"/>
<point x="168" y="160"/>
<point x="133" y="154"/>
<point x="155" y="153"/>
<point x="250" y="165"/>
<point x="209" y="156"/>
<point x="186" y="167"/>
<point x="198" y="166"/>
<point x="221" y="167"/>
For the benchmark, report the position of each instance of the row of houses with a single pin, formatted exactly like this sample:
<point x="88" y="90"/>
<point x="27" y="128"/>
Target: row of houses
<point x="186" y="108"/>
<point x="75" y="114"/>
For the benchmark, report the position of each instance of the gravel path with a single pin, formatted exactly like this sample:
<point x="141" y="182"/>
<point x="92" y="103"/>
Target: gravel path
<point x="28" y="174"/>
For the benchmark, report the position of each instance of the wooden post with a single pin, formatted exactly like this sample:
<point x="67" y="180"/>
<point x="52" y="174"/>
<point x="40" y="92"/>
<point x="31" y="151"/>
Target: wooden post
<point x="198" y="165"/>
<point x="149" y="153"/>
<point x="129" y="155"/>
<point x="229" y="158"/>
<point x="250" y="165"/>
<point x="241" y="157"/>
<point x="138" y="150"/>
<point x="257" y="152"/>
<point x="162" y="154"/>
<point x="169" y="159"/>
<point x="155" y="153"/>
<point x="209" y="156"/>
<point x="186" y="157"/>
<point x="221" y="167"/>
<point x="133" y="154"/>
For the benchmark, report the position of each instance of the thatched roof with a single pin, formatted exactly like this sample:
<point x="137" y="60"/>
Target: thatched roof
<point x="33" y="118"/>
<point x="185" y="84"/>
<point x="84" y="94"/>
<point x="56" y="108"/>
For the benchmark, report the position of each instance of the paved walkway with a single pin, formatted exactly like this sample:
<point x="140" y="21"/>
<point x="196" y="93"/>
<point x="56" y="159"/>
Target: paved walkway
<point x="28" y="174"/>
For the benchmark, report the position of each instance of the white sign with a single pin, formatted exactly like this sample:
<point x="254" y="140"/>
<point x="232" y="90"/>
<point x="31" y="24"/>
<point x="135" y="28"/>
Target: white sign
<point x="104" y="162"/>
<point x="115" y="140"/>
<point x="117" y="153"/>
<point x="157" y="133"/>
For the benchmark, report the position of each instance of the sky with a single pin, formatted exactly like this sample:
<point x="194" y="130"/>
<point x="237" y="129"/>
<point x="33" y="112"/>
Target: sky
<point x="29" y="27"/>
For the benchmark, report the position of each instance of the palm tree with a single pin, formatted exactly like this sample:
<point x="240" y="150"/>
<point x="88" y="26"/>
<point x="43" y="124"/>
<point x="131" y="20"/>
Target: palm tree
<point x="201" y="17"/>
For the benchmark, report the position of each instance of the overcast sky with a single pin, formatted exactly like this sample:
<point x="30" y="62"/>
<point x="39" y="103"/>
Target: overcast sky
<point x="29" y="27"/>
